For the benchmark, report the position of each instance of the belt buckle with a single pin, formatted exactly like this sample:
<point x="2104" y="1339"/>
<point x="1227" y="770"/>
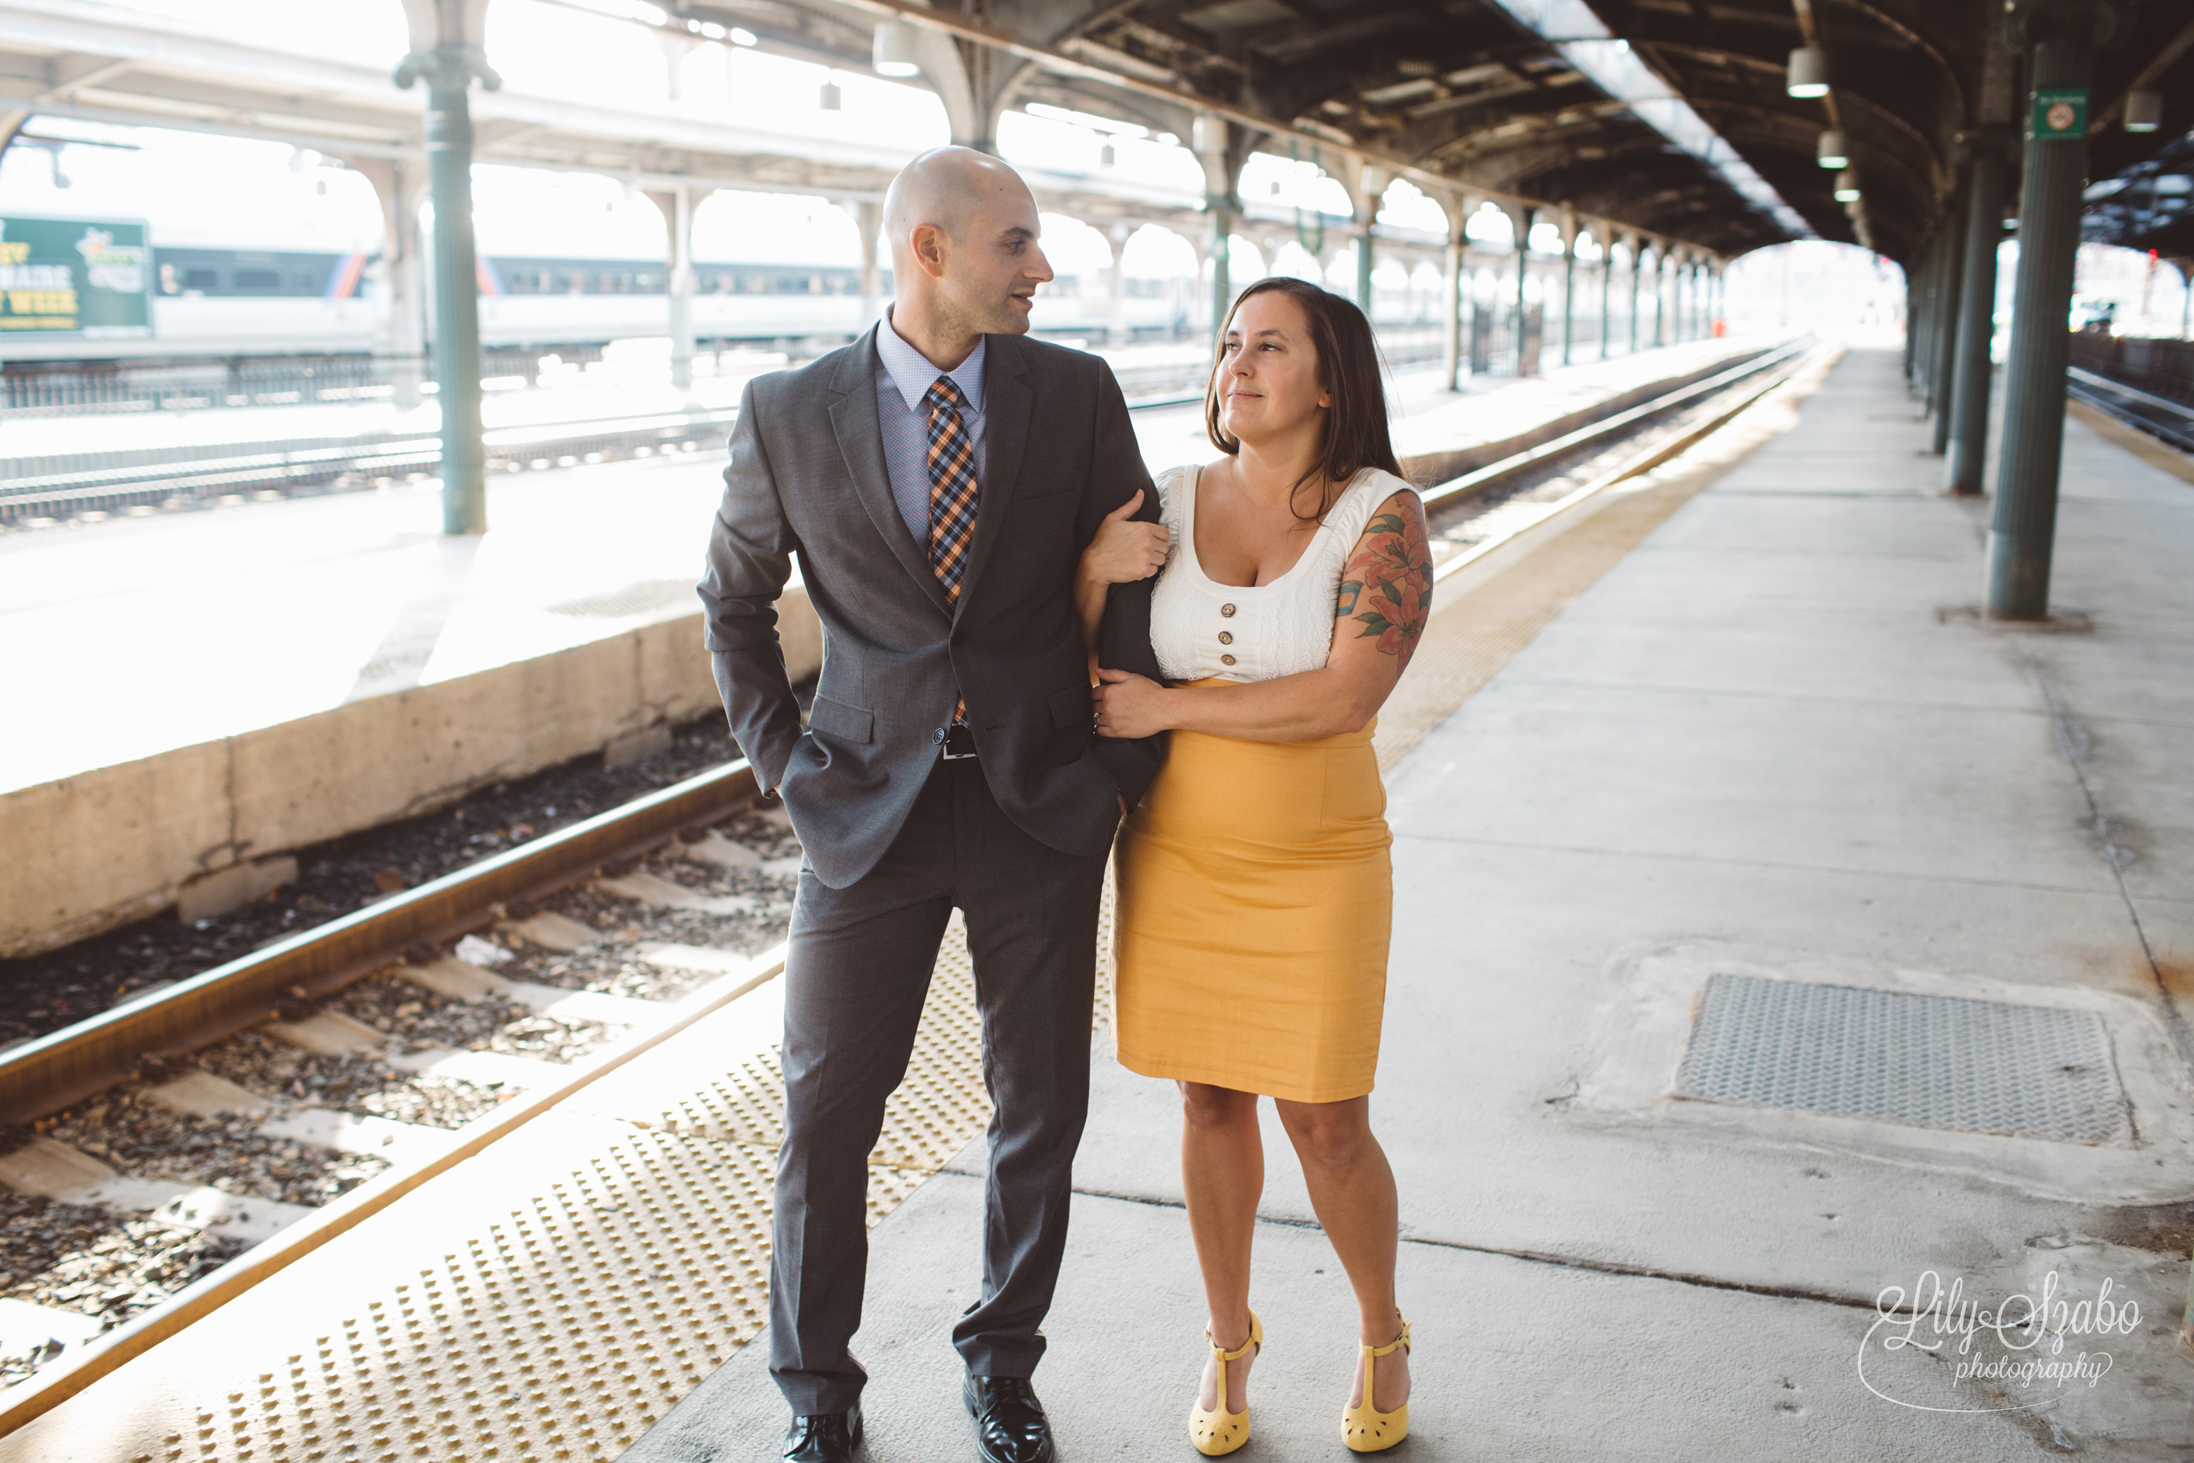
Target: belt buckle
<point x="959" y="743"/>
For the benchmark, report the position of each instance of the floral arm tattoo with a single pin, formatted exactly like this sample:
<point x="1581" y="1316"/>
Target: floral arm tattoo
<point x="1387" y="586"/>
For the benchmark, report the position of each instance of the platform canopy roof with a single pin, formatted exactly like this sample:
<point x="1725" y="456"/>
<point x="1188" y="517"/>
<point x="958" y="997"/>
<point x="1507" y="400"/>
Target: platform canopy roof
<point x="1454" y="94"/>
<point x="1908" y="80"/>
<point x="1667" y="117"/>
<point x="1493" y="93"/>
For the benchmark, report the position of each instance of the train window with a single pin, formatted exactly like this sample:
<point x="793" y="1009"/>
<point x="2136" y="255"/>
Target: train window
<point x="169" y="282"/>
<point x="264" y="281"/>
<point x="303" y="282"/>
<point x="201" y="279"/>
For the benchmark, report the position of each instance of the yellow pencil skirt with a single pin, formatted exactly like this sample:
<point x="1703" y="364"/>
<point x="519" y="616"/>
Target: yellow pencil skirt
<point x="1255" y="899"/>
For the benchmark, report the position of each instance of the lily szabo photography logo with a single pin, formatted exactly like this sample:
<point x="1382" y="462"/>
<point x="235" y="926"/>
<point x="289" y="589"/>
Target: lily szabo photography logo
<point x="2028" y="1349"/>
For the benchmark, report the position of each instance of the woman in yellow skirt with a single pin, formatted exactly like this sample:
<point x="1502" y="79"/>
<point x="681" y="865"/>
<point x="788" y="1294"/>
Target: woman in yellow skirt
<point x="1255" y="889"/>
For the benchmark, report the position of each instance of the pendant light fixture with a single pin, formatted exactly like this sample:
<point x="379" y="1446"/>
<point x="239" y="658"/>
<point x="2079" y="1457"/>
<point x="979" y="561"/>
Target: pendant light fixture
<point x="1830" y="151"/>
<point x="1808" y="74"/>
<point x="894" y="49"/>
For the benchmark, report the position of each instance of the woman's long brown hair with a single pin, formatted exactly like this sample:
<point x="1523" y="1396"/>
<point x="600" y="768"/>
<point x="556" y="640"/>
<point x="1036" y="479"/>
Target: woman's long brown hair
<point x="1356" y="434"/>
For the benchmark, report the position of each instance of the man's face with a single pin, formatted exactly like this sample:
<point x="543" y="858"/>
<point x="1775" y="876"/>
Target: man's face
<point x="993" y="269"/>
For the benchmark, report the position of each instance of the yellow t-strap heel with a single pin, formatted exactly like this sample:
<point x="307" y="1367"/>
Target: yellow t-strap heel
<point x="1218" y="1431"/>
<point x="1364" y="1427"/>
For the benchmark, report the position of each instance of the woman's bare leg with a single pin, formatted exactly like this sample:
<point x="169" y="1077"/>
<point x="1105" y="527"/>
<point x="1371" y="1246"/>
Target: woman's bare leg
<point x="1352" y="1192"/>
<point x="1223" y="1174"/>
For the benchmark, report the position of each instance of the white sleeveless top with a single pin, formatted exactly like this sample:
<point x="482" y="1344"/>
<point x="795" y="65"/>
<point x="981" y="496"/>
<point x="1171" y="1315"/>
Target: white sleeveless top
<point x="1258" y="632"/>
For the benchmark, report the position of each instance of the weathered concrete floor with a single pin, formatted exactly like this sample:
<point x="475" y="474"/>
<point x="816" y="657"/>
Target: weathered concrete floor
<point x="1754" y="744"/>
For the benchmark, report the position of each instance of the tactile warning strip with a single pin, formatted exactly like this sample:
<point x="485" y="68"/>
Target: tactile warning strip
<point x="1931" y="1061"/>
<point x="546" y="1301"/>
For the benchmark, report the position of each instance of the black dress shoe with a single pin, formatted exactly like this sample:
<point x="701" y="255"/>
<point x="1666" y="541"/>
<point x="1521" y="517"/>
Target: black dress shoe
<point x="1010" y="1426"/>
<point x="827" y="1437"/>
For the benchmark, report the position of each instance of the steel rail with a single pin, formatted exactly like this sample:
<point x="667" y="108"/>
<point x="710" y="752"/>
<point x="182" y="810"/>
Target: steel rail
<point x="201" y="477"/>
<point x="1585" y="436"/>
<point x="2160" y="416"/>
<point x="66" y="1066"/>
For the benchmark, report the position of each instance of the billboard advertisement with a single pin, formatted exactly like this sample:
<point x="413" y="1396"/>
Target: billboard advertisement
<point x="79" y="278"/>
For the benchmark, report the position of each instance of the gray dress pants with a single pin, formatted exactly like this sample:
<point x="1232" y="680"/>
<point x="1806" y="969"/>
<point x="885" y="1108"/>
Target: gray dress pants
<point x="855" y="979"/>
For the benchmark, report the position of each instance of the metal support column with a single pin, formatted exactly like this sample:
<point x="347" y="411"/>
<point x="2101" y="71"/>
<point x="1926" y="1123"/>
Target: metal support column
<point x="1451" y="336"/>
<point x="401" y="185"/>
<point x="1918" y="286"/>
<point x="1660" y="298"/>
<point x="1523" y="218"/>
<point x="1968" y="414"/>
<point x="1116" y="329"/>
<point x="1222" y="277"/>
<point x="1942" y="369"/>
<point x="1569" y="281"/>
<point x="2065" y="35"/>
<point x="1371" y="189"/>
<point x="1637" y="251"/>
<point x="449" y="71"/>
<point x="869" y="218"/>
<point x="1606" y="242"/>
<point x="677" y="208"/>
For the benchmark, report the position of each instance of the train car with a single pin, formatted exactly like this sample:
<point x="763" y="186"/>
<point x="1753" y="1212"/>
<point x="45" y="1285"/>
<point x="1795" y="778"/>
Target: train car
<point x="230" y="301"/>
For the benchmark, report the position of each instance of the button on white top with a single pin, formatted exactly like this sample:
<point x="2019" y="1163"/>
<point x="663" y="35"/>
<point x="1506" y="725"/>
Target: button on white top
<point x="1276" y="629"/>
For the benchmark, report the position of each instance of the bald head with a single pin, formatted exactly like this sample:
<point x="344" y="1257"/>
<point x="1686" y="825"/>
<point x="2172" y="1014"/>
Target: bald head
<point x="965" y="259"/>
<point x="945" y="188"/>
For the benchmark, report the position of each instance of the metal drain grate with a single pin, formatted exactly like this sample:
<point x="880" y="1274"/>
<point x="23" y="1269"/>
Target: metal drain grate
<point x="1930" y="1061"/>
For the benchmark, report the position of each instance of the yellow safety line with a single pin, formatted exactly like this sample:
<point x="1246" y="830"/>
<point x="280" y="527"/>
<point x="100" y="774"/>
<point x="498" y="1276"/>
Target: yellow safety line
<point x="2133" y="440"/>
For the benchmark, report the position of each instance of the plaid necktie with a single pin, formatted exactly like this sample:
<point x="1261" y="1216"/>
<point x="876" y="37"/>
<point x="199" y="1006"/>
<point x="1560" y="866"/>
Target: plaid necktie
<point x="952" y="493"/>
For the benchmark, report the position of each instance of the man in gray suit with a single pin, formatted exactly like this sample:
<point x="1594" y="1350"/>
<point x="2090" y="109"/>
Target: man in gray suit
<point x="938" y="479"/>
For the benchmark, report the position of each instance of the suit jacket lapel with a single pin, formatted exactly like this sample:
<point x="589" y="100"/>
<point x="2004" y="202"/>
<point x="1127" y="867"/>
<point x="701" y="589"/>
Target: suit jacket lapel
<point x="1007" y="404"/>
<point x="861" y="441"/>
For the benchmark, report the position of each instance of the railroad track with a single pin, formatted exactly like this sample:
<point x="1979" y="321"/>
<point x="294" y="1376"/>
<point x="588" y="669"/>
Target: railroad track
<point x="472" y="1004"/>
<point x="149" y="480"/>
<point x="2170" y="421"/>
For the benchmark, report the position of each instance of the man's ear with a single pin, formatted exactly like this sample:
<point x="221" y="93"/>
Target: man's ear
<point x="930" y="248"/>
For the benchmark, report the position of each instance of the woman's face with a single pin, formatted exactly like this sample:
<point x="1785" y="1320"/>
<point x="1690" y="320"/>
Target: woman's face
<point x="1268" y="374"/>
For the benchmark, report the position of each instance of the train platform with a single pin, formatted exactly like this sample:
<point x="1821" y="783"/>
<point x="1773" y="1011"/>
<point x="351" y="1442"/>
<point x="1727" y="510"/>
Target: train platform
<point x="1770" y="753"/>
<point x="237" y="682"/>
<point x="1735" y="773"/>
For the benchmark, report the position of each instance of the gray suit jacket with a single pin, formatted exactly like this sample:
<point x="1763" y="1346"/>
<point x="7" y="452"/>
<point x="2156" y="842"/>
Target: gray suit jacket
<point x="807" y="476"/>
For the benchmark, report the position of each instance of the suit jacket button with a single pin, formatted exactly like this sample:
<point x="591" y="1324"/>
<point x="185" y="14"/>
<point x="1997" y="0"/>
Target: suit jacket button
<point x="938" y="736"/>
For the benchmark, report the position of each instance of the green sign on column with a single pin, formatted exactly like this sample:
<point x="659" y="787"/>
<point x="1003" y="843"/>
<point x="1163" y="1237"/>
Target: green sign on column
<point x="87" y="278"/>
<point x="2058" y="116"/>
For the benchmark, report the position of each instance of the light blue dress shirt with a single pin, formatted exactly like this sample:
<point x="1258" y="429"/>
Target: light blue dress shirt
<point x="903" y="377"/>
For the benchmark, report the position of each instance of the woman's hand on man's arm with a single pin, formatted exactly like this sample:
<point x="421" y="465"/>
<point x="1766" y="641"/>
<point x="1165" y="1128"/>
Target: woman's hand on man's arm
<point x="1125" y="548"/>
<point x="1123" y="551"/>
